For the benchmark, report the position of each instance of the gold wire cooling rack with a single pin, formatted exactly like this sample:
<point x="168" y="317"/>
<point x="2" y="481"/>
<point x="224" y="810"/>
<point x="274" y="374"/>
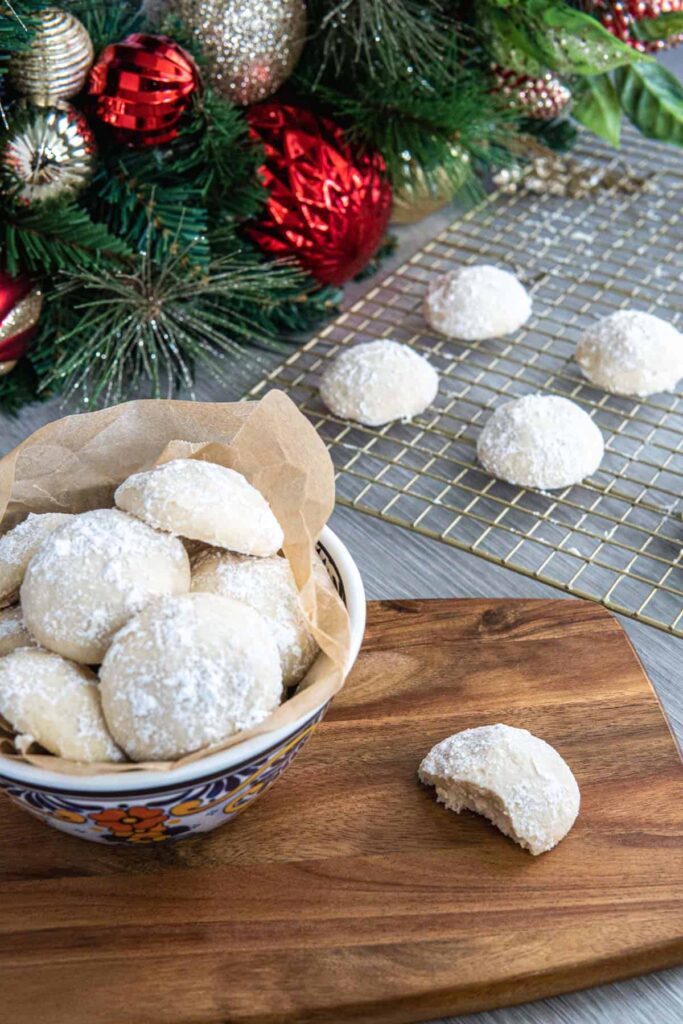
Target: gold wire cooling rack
<point x="616" y="538"/>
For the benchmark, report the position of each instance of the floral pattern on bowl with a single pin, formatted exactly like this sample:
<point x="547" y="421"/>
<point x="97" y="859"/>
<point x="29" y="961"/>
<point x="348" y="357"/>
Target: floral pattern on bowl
<point x="165" y="812"/>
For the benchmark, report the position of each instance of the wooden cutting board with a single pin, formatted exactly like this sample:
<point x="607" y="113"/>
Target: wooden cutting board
<point x="346" y="893"/>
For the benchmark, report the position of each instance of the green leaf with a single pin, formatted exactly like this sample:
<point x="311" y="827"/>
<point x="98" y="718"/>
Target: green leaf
<point x="511" y="43"/>
<point x="597" y="108"/>
<point x="662" y="27"/>
<point x="652" y="98"/>
<point x="575" y="42"/>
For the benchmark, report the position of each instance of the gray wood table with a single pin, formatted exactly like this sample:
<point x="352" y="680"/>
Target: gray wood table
<point x="396" y="563"/>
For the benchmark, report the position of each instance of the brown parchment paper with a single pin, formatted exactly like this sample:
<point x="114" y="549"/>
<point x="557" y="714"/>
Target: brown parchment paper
<point x="76" y="463"/>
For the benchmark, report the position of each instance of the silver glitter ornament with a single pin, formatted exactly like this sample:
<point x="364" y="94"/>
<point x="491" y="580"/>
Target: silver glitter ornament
<point x="249" y="47"/>
<point x="56" y="64"/>
<point x="49" y="156"/>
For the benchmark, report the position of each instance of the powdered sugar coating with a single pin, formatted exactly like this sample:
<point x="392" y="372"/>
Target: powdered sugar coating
<point x="478" y="302"/>
<point x="56" y="703"/>
<point x="266" y="585"/>
<point x="203" y="501"/>
<point x="378" y="381"/>
<point x="516" y="780"/>
<point x="18" y="546"/>
<point x="631" y="353"/>
<point x="187" y="672"/>
<point x="540" y="441"/>
<point x="92" y="574"/>
<point x="13" y="631"/>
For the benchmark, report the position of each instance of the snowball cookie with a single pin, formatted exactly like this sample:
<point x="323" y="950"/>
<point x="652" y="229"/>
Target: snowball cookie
<point x="195" y="548"/>
<point x="19" y="545"/>
<point x="186" y="672"/>
<point x="631" y="353"/>
<point x="514" y="779"/>
<point x="92" y="574"/>
<point x="474" y="303"/>
<point x="13" y="631"/>
<point x="378" y="381"/>
<point x="540" y="441"/>
<point x="267" y="585"/>
<point x="203" y="501"/>
<point x="57" y="703"/>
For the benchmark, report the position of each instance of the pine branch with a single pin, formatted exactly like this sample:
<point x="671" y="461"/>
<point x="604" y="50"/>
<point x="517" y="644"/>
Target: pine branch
<point x="210" y="170"/>
<point x="50" y="237"/>
<point x="107" y="21"/>
<point x="18" y="387"/>
<point x="127" y="205"/>
<point x="305" y="309"/>
<point x="214" y="152"/>
<point x="155" y="322"/>
<point x="17" y="25"/>
<point x="443" y="124"/>
<point x="380" y="37"/>
<point x="300" y="308"/>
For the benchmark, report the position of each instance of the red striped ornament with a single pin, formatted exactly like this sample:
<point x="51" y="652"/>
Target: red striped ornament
<point x="141" y="87"/>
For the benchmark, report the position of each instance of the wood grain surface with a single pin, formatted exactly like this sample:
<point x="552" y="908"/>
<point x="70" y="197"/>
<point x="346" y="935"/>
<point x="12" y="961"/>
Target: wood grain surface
<point x="347" y="893"/>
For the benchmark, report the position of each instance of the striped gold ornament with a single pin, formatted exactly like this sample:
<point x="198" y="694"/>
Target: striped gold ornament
<point x="56" y="64"/>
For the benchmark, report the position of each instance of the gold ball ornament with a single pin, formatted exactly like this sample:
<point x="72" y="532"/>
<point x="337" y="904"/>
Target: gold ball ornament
<point x="49" y="155"/>
<point x="421" y="194"/>
<point x="56" y="64"/>
<point x="250" y="47"/>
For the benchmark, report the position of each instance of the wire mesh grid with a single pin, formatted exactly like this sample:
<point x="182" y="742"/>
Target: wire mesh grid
<point x="615" y="538"/>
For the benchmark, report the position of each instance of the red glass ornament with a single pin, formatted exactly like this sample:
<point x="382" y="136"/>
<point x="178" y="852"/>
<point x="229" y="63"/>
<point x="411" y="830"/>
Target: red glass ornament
<point x="20" y="304"/>
<point x="328" y="205"/>
<point x="141" y="88"/>
<point x="620" y="17"/>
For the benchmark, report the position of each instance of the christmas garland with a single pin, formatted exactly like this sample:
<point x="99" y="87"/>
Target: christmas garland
<point x="180" y="181"/>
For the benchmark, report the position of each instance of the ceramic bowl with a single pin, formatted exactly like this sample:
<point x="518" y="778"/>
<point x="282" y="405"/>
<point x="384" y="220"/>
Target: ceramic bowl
<point x="154" y="807"/>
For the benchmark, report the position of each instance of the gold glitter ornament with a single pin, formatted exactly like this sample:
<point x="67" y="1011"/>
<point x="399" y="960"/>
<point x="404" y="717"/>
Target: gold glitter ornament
<point x="249" y="47"/>
<point x="549" y="173"/>
<point x="56" y="64"/>
<point x="49" y="155"/>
